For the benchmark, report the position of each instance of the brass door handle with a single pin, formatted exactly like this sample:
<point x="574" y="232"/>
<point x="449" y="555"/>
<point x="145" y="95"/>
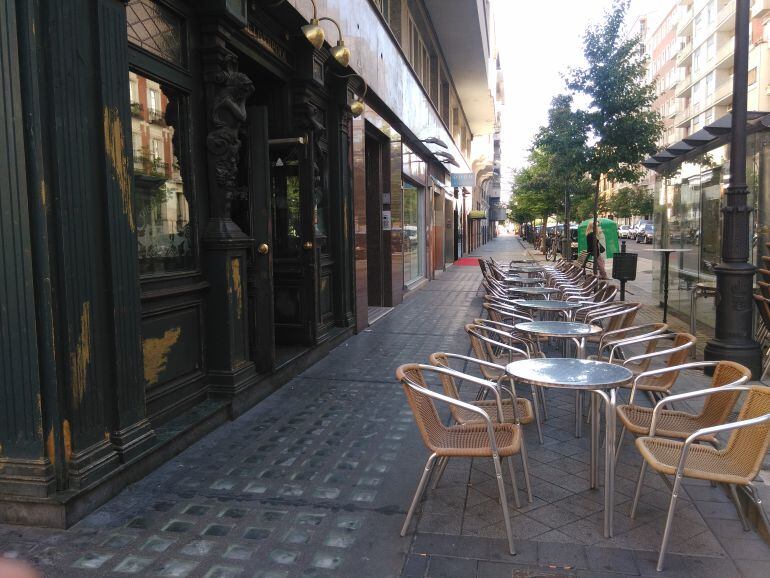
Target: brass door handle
<point x="307" y="245"/>
<point x="263" y="249"/>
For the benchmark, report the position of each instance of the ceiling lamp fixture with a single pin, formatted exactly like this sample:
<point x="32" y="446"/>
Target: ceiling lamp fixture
<point x="436" y="141"/>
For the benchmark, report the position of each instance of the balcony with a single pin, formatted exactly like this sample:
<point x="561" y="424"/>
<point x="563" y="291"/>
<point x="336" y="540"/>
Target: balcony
<point x="726" y="17"/>
<point x="136" y="109"/>
<point x="724" y="92"/>
<point x="724" y="57"/>
<point x="682" y="118"/>
<point x="685" y="53"/>
<point x="760" y="8"/>
<point x="683" y="86"/>
<point x="684" y="28"/>
<point x="156" y="117"/>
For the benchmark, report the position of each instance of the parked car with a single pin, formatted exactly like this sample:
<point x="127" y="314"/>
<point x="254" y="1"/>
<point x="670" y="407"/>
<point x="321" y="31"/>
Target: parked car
<point x="624" y="231"/>
<point x="646" y="234"/>
<point x="637" y="229"/>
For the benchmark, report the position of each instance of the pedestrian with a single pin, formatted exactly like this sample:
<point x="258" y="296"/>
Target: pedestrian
<point x="590" y="240"/>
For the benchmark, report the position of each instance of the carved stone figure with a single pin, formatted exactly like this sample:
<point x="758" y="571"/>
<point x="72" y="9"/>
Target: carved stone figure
<point x="228" y="118"/>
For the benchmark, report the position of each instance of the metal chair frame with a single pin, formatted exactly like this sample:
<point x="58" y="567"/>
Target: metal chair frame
<point x="483" y="417"/>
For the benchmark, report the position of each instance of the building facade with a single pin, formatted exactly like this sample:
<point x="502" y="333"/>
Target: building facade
<point x="193" y="212"/>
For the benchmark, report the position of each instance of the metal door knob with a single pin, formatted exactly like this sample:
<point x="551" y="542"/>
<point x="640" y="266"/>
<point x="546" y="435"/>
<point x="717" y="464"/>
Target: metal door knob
<point x="263" y="249"/>
<point x="307" y="245"/>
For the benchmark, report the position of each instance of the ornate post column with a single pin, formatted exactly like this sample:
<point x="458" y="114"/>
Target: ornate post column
<point x="225" y="244"/>
<point x="735" y="275"/>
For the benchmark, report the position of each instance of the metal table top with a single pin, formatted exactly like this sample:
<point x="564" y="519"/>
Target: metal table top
<point x="558" y="328"/>
<point x="534" y="290"/>
<point x="552" y="305"/>
<point x="525" y="280"/>
<point x="526" y="268"/>
<point x="568" y="373"/>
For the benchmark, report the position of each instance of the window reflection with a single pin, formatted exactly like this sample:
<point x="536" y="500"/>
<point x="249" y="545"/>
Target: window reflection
<point x="284" y="176"/>
<point x="162" y="209"/>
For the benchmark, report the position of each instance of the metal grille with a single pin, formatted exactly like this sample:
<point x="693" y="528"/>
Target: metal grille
<point x="157" y="30"/>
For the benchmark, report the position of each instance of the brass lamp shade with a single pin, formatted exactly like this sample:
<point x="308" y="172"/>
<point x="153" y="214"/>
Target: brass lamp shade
<point x="314" y="33"/>
<point x="341" y="53"/>
<point x="357" y="108"/>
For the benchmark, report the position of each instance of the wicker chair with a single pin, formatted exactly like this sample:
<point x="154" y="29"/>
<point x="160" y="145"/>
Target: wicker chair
<point x="514" y="409"/>
<point x="495" y="347"/>
<point x="658" y="385"/>
<point x="679" y="424"/>
<point x="611" y="341"/>
<point x="737" y="464"/>
<point x="482" y="440"/>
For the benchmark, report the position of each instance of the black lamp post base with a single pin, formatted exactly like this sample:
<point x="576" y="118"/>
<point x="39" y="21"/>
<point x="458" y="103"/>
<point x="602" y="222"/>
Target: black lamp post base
<point x="747" y="353"/>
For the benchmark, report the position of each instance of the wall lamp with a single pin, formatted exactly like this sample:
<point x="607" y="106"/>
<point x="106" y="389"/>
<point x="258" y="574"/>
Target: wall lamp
<point x="436" y="141"/>
<point x="357" y="106"/>
<point x="316" y="36"/>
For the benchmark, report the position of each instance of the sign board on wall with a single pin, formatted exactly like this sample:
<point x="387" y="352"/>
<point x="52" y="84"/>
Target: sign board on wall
<point x="386" y="221"/>
<point x="463" y="179"/>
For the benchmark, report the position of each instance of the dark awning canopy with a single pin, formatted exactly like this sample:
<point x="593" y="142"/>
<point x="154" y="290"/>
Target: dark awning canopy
<point x="690" y="145"/>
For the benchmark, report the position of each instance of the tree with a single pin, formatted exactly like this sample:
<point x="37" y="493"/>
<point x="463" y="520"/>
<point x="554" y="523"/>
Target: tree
<point x="564" y="139"/>
<point x="623" y="129"/>
<point x="535" y="192"/>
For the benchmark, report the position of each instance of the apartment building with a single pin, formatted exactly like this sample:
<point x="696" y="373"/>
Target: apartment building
<point x="205" y="198"/>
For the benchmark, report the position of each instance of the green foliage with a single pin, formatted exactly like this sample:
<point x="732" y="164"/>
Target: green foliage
<point x="623" y="128"/>
<point x="631" y="202"/>
<point x="536" y="194"/>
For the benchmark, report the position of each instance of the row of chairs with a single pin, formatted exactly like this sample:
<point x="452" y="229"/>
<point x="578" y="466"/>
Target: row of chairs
<point x="669" y="441"/>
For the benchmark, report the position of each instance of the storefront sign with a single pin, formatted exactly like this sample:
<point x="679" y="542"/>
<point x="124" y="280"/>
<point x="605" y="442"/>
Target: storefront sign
<point x="463" y="179"/>
<point x="386" y="221"/>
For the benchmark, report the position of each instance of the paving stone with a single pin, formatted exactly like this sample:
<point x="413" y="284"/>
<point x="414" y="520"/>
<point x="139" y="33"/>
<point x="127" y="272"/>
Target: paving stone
<point x="316" y="479"/>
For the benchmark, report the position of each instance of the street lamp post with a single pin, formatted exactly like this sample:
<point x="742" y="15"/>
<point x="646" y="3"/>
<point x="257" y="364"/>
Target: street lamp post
<point x="735" y="275"/>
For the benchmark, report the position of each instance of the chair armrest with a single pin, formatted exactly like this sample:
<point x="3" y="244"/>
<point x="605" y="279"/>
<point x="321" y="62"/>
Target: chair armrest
<point x="474" y="360"/>
<point x="664" y="370"/>
<point x="734" y="386"/>
<point x="658" y="353"/>
<point x="602" y="345"/>
<point x="715" y="429"/>
<point x="459" y="375"/>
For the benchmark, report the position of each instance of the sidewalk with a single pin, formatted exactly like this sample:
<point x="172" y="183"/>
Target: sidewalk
<point x="315" y="481"/>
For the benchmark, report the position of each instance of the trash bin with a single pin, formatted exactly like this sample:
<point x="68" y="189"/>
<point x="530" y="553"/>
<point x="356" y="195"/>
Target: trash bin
<point x="624" y="268"/>
<point x="609" y="230"/>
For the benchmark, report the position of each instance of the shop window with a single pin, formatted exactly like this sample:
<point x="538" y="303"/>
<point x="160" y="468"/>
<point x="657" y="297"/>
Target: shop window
<point x="156" y="29"/>
<point x="161" y="203"/>
<point x="414" y="239"/>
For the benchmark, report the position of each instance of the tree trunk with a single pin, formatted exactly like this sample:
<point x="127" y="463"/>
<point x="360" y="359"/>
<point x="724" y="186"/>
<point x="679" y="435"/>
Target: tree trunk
<point x="566" y="242"/>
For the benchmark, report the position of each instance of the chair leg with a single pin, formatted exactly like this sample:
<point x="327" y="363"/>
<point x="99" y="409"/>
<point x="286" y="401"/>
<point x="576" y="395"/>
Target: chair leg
<point x="418" y="494"/>
<point x="515" y="487"/>
<point x="578" y="413"/>
<point x="442" y="463"/>
<point x="754" y="495"/>
<point x="504" y="503"/>
<point x="737" y="502"/>
<point x="638" y="492"/>
<point x="620" y="443"/>
<point x="525" y="467"/>
<point x="543" y="401"/>
<point x="669" y="519"/>
<point x="536" y="407"/>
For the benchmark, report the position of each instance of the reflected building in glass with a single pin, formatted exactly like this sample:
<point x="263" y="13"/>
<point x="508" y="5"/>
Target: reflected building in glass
<point x="689" y="191"/>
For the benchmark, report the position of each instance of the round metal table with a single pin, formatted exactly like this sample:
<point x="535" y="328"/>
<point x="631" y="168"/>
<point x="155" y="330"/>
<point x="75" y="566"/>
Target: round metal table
<point x="534" y="291"/>
<point x="524" y="280"/>
<point x="602" y="380"/>
<point x="567" y="330"/>
<point x="528" y="269"/>
<point x="551" y="305"/>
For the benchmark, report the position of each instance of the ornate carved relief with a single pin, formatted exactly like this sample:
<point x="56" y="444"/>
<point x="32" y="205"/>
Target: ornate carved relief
<point x="228" y="120"/>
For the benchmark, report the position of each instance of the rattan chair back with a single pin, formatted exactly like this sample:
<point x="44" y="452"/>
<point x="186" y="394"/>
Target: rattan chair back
<point x="747" y="446"/>
<point x="678" y="356"/>
<point x="424" y="410"/>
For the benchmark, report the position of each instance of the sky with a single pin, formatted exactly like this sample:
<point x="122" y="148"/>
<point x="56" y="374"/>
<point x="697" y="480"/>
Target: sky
<point x="538" y="42"/>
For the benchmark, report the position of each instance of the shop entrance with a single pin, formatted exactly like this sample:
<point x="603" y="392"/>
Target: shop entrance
<point x="276" y="211"/>
<point x="378" y="222"/>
